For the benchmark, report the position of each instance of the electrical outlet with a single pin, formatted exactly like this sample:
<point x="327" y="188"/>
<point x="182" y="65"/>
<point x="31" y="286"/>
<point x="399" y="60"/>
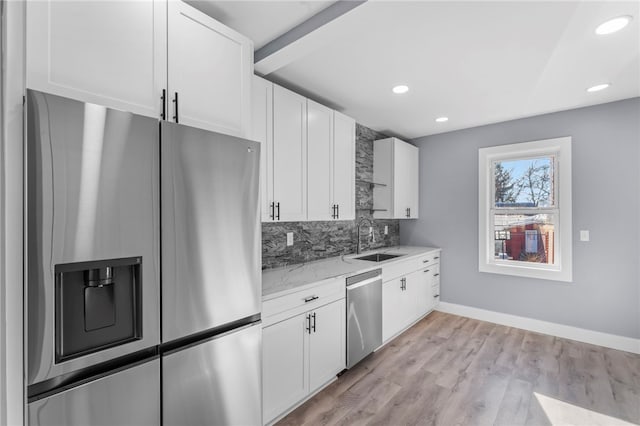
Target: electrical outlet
<point x="584" y="235"/>
<point x="386" y="230"/>
<point x="289" y="239"/>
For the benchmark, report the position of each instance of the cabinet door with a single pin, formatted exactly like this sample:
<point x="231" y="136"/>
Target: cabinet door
<point x="419" y="291"/>
<point x="435" y="285"/>
<point x="413" y="180"/>
<point x="284" y="365"/>
<point x="111" y="53"/>
<point x="319" y="161"/>
<point x="289" y="154"/>
<point x="401" y="181"/>
<point x="326" y="343"/>
<point x="210" y="68"/>
<point x="262" y="131"/>
<point x="393" y="308"/>
<point x="344" y="166"/>
<point x="383" y="195"/>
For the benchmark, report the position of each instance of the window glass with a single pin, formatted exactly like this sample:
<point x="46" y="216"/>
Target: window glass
<point x="524" y="237"/>
<point x="524" y="183"/>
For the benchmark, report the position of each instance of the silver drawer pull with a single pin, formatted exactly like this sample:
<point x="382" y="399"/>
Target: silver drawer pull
<point x="437" y="257"/>
<point x="436" y="296"/>
<point x="426" y="260"/>
<point x="426" y="270"/>
<point x="435" y="275"/>
<point x="310" y="299"/>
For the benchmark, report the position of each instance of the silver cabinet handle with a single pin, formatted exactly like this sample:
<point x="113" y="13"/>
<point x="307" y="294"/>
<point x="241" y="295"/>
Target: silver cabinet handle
<point x="437" y="257"/>
<point x="425" y="261"/>
<point x="426" y="270"/>
<point x="435" y="275"/>
<point x="310" y="299"/>
<point x="163" y="115"/>
<point x="437" y="295"/>
<point x="314" y="322"/>
<point x="308" y="317"/>
<point x="175" y="101"/>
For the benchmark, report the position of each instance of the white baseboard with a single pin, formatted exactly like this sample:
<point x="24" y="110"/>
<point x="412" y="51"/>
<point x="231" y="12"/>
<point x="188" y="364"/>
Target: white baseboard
<point x="613" y="341"/>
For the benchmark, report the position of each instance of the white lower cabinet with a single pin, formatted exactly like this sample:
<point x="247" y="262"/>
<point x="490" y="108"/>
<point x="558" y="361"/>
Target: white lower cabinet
<point x="404" y="299"/>
<point x="410" y="295"/>
<point x="392" y="312"/>
<point x="284" y="378"/>
<point x="300" y="354"/>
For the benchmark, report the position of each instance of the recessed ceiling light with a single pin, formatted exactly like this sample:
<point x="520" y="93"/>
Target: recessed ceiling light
<point x="400" y="89"/>
<point x="598" y="87"/>
<point x="613" y="25"/>
<point x="442" y="119"/>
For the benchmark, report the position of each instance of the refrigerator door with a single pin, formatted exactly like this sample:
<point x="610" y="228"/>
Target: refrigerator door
<point x="215" y="382"/>
<point x="129" y="397"/>
<point x="92" y="195"/>
<point x="211" y="256"/>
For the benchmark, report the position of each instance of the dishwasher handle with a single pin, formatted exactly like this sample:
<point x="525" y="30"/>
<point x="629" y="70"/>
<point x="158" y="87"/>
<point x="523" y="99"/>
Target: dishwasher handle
<point x="363" y="283"/>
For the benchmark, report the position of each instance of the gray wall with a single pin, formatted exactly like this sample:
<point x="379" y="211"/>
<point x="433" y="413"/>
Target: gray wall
<point x="605" y="292"/>
<point x="322" y="239"/>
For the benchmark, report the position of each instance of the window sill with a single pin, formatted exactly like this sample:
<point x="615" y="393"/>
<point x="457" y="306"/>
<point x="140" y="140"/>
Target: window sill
<point x="548" y="273"/>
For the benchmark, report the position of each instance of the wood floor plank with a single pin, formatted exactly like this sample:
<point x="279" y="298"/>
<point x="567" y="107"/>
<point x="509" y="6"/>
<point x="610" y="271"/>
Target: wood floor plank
<point x="514" y="407"/>
<point x="449" y="370"/>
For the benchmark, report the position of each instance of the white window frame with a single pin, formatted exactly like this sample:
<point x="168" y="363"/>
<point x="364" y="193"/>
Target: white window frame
<point x="560" y="150"/>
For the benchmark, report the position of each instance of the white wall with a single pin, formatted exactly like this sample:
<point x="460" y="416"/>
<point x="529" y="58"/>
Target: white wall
<point x="605" y="293"/>
<point x="11" y="213"/>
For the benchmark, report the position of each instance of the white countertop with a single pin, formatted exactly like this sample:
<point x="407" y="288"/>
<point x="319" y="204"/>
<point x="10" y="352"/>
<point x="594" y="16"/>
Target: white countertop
<point x="280" y="281"/>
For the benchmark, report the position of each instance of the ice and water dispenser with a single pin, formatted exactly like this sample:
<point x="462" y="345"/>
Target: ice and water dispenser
<point x="98" y="305"/>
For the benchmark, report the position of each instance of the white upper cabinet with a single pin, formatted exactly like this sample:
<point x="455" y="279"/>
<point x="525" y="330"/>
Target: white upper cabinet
<point x="111" y="53"/>
<point x="320" y="204"/>
<point x="209" y="70"/>
<point x="308" y="156"/>
<point x="123" y="54"/>
<point x="395" y="167"/>
<point x="344" y="166"/>
<point x="289" y="202"/>
<point x="330" y="164"/>
<point x="262" y="131"/>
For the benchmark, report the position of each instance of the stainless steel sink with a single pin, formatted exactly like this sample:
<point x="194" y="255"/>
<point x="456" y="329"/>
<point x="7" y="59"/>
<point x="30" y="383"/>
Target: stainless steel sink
<point x="378" y="257"/>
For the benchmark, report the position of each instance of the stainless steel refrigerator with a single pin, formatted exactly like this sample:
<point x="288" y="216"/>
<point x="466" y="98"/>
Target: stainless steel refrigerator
<point x="93" y="264"/>
<point x="211" y="278"/>
<point x="143" y="270"/>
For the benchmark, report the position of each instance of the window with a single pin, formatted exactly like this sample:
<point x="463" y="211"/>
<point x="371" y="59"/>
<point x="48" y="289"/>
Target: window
<point x="525" y="209"/>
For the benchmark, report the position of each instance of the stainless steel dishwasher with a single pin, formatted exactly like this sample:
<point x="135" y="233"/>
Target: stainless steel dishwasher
<point x="364" y="315"/>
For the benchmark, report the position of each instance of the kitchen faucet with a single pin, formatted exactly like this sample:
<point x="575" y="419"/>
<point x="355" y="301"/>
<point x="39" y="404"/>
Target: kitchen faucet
<point x="363" y="220"/>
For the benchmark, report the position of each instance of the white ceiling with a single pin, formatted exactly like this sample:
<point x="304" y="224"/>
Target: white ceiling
<point x="476" y="62"/>
<point x="261" y="21"/>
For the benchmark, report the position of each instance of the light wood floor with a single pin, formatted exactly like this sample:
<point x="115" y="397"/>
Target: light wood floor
<point x="450" y="370"/>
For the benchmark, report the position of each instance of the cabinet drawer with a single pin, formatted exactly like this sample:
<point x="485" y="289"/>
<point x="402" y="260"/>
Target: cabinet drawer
<point x="280" y="307"/>
<point x="433" y="269"/>
<point x="405" y="267"/>
<point x="395" y="270"/>
<point x="428" y="259"/>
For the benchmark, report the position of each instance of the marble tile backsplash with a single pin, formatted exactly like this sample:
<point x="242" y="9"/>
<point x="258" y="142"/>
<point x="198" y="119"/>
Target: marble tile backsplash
<point x="319" y="240"/>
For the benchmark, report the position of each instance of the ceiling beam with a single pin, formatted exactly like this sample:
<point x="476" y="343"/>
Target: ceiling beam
<point x="287" y="47"/>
